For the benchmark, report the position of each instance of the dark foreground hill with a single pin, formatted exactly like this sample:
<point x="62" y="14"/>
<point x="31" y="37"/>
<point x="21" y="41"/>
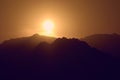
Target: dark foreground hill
<point x="62" y="59"/>
<point x="108" y="43"/>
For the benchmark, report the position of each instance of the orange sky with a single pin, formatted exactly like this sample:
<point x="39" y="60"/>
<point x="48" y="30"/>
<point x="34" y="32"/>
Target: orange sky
<point x="72" y="18"/>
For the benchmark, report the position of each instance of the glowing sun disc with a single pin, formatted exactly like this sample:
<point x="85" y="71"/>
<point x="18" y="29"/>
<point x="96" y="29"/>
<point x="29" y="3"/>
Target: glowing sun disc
<point x="48" y="27"/>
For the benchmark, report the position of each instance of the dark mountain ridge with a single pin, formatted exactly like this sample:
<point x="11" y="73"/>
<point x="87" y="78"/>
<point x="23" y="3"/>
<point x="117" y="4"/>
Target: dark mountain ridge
<point x="64" y="58"/>
<point x="108" y="43"/>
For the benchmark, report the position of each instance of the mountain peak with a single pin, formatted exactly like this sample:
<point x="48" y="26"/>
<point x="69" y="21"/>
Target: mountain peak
<point x="36" y="35"/>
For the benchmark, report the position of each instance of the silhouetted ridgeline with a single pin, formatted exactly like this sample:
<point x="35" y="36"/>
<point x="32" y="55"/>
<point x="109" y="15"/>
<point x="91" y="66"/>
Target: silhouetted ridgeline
<point x="62" y="59"/>
<point x="108" y="43"/>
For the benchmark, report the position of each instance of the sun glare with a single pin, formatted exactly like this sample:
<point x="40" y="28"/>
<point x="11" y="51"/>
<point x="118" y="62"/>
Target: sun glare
<point x="48" y="27"/>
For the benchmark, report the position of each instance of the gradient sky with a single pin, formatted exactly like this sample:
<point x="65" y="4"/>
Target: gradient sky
<point x="72" y="18"/>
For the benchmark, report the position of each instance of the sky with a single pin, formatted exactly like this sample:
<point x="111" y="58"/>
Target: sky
<point x="72" y="18"/>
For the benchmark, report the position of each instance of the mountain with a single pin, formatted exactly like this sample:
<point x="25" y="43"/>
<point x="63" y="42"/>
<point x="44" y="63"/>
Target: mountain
<point x="35" y="58"/>
<point x="27" y="42"/>
<point x="108" y="43"/>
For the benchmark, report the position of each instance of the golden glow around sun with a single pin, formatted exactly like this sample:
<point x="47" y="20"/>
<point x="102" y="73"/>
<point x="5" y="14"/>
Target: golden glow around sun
<point x="48" y="27"/>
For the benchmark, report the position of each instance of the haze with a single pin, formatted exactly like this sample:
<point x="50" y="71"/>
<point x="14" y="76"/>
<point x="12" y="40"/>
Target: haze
<point x="72" y="18"/>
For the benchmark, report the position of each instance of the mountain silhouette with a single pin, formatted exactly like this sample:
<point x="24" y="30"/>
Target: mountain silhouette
<point x="37" y="57"/>
<point x="28" y="42"/>
<point x="108" y="43"/>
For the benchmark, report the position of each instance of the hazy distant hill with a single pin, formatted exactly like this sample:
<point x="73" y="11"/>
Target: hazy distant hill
<point x="109" y="43"/>
<point x="31" y="41"/>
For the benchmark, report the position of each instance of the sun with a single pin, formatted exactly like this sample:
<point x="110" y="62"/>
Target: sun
<point x="48" y="27"/>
